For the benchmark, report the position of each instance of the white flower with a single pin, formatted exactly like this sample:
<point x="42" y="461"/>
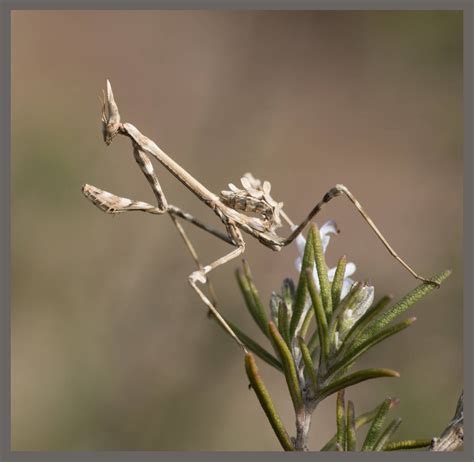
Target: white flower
<point x="357" y="304"/>
<point x="325" y="232"/>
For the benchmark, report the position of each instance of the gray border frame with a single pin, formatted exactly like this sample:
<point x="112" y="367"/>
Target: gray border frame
<point x="5" y="258"/>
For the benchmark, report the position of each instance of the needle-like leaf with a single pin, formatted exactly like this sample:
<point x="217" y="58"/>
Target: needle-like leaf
<point x="260" y="310"/>
<point x="387" y="434"/>
<point x="336" y="288"/>
<point x="322" y="269"/>
<point x="288" y="292"/>
<point x="350" y="427"/>
<point x="407" y="444"/>
<point x="309" y="366"/>
<point x="252" y="345"/>
<point x="320" y="316"/>
<point x="266" y="403"/>
<point x="284" y="322"/>
<point x="313" y="343"/>
<point x="348" y="301"/>
<point x="357" y="351"/>
<point x="306" y="323"/>
<point x="289" y="368"/>
<point x="363" y="321"/>
<point x="360" y="421"/>
<point x="252" y="298"/>
<point x="375" y="429"/>
<point x="302" y="290"/>
<point x="354" y="379"/>
<point x="369" y="416"/>
<point x="399" y="308"/>
<point x="341" y="420"/>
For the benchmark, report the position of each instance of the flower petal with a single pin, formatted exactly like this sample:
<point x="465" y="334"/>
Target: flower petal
<point x="346" y="287"/>
<point x="316" y="278"/>
<point x="328" y="228"/>
<point x="331" y="273"/>
<point x="300" y="243"/>
<point x="298" y="263"/>
<point x="350" y="269"/>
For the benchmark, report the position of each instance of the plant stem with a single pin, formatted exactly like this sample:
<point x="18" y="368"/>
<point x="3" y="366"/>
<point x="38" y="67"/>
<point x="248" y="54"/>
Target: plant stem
<point x="303" y="424"/>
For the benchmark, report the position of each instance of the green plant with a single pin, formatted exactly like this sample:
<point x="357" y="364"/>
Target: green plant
<point x="318" y="330"/>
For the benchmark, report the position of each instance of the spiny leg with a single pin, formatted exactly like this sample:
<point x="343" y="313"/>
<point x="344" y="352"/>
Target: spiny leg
<point x="175" y="211"/>
<point x="147" y="169"/>
<point x="339" y="190"/>
<point x="195" y="257"/>
<point x="111" y="203"/>
<point x="200" y="276"/>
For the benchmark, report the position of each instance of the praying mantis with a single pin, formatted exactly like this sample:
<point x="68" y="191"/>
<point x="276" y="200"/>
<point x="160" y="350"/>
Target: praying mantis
<point x="251" y="210"/>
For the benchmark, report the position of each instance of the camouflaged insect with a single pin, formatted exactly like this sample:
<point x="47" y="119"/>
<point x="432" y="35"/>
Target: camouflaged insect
<point x="254" y="198"/>
<point x="229" y="206"/>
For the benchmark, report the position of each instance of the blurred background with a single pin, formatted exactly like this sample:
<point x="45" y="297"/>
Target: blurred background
<point x="111" y="348"/>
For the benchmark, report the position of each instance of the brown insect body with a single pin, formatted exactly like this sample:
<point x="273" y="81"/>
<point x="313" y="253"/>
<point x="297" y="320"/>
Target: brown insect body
<point x="247" y="204"/>
<point x="254" y="198"/>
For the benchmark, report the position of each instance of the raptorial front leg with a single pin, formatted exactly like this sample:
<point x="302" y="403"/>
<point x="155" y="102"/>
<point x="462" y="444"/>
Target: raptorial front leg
<point x="339" y="190"/>
<point x="147" y="169"/>
<point x="200" y="276"/>
<point x="111" y="203"/>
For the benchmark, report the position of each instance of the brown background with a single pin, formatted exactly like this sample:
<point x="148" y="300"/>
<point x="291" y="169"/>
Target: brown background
<point x="111" y="349"/>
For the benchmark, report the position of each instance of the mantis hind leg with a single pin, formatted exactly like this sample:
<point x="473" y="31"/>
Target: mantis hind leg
<point x="340" y="190"/>
<point x="201" y="276"/>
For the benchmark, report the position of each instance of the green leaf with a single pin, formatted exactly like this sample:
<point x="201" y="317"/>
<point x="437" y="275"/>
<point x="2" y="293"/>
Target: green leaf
<point x="336" y="288"/>
<point x="375" y="429"/>
<point x="369" y="416"/>
<point x="275" y="300"/>
<point x="309" y="366"/>
<point x="363" y="321"/>
<point x="266" y="403"/>
<point x="320" y="316"/>
<point x="283" y="322"/>
<point x="288" y="292"/>
<point x="301" y="291"/>
<point x="340" y="420"/>
<point x="252" y="345"/>
<point x="399" y="308"/>
<point x="350" y="427"/>
<point x="250" y="300"/>
<point x="407" y="444"/>
<point x="255" y="306"/>
<point x="313" y="341"/>
<point x="351" y="298"/>
<point x="357" y="351"/>
<point x="322" y="268"/>
<point x="354" y="379"/>
<point x="289" y="367"/>
<point x="360" y="421"/>
<point x="306" y="323"/>
<point x="387" y="434"/>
